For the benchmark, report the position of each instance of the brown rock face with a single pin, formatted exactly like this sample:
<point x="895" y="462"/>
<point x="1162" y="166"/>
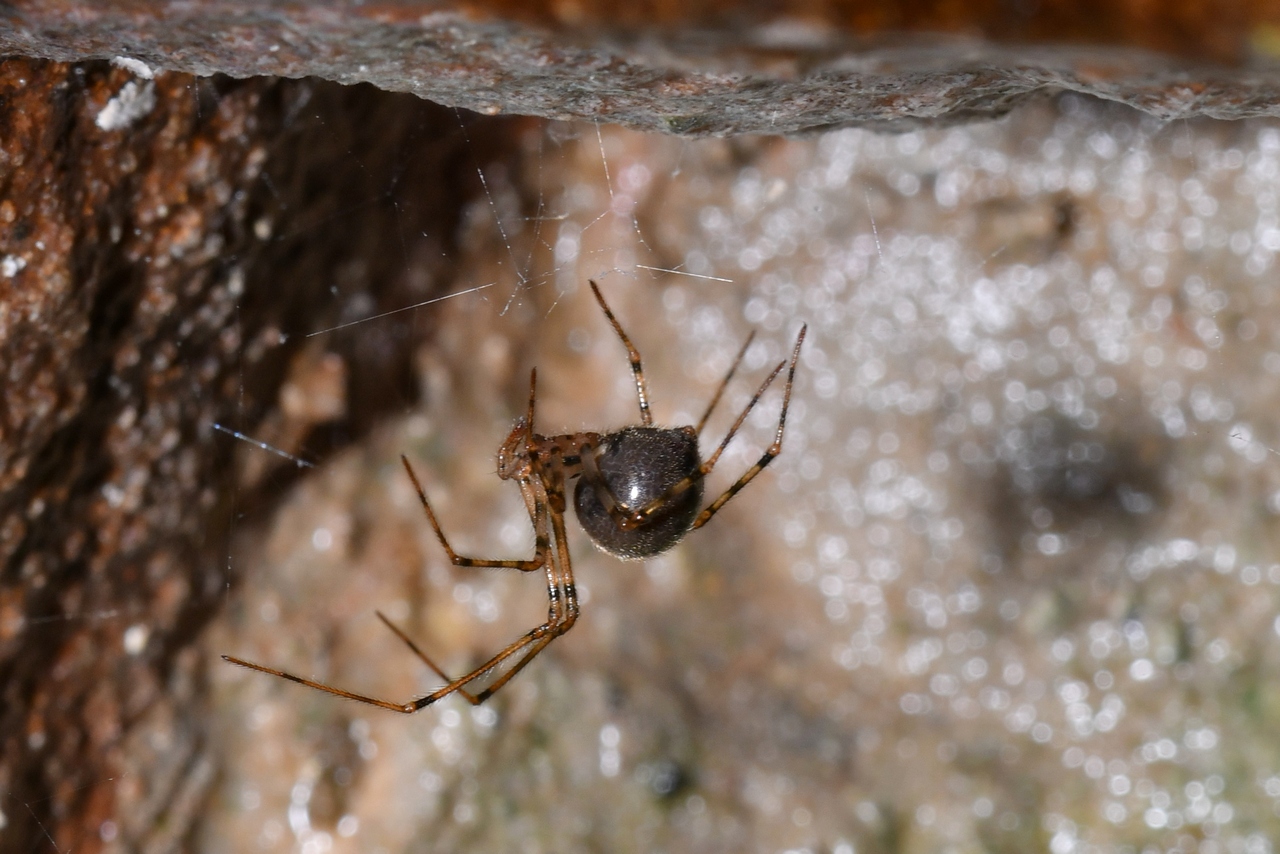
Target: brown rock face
<point x="156" y="285"/>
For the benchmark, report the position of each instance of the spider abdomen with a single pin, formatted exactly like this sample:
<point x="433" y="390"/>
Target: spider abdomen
<point x="640" y="464"/>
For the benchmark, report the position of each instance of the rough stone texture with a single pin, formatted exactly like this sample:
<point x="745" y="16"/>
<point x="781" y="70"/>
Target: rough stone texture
<point x="164" y="245"/>
<point x="706" y="68"/>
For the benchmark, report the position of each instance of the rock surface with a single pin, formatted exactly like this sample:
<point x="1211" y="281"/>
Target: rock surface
<point x="707" y="69"/>
<point x="165" y="244"/>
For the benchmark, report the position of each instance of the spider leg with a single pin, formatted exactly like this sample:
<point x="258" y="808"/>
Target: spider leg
<point x="533" y="388"/>
<point x="619" y="512"/>
<point x="623" y="516"/>
<point x="541" y="549"/>
<point x="537" y="636"/>
<point x="405" y="708"/>
<point x="563" y="612"/>
<point x="633" y="356"/>
<point x="629" y="519"/>
<point x="538" y="513"/>
<point x="556" y="626"/>
<point x="770" y="452"/>
<point x="711" y="461"/>
<point x="557" y="505"/>
<point x="422" y="655"/>
<point x="702" y="422"/>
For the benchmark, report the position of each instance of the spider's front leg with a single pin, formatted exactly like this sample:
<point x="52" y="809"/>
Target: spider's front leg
<point x="542" y="557"/>
<point x="772" y="451"/>
<point x="541" y="549"/>
<point x="548" y="497"/>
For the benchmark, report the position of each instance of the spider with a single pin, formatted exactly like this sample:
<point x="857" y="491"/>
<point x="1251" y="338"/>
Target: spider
<point x="637" y="494"/>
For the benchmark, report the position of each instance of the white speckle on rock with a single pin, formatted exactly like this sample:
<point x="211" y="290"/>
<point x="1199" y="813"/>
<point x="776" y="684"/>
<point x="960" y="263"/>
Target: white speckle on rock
<point x="136" y="67"/>
<point x="131" y="103"/>
<point x="10" y="265"/>
<point x="135" y="638"/>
